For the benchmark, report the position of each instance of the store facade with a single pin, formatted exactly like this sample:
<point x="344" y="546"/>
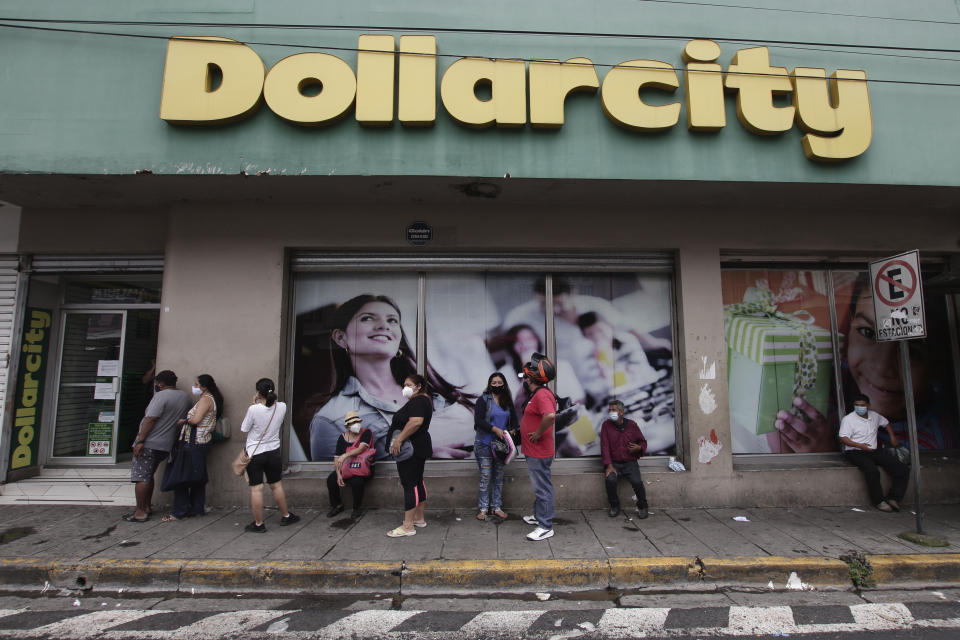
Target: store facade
<point x="626" y="234"/>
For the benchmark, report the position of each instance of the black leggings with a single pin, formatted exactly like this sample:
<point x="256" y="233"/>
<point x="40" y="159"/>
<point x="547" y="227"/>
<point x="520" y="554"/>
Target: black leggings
<point x="357" y="484"/>
<point x="411" y="477"/>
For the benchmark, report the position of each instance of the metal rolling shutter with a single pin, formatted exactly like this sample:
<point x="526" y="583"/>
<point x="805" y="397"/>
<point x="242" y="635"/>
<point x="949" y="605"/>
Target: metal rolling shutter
<point x="8" y="299"/>
<point x="97" y="264"/>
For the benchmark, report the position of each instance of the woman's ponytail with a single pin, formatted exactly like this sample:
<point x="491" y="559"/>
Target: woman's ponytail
<point x="265" y="388"/>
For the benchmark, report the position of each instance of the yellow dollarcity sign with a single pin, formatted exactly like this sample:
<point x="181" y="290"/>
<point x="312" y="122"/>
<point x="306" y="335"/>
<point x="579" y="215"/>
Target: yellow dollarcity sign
<point x="212" y="80"/>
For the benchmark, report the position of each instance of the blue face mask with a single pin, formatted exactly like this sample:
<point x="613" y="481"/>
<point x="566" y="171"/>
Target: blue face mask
<point x="861" y="411"/>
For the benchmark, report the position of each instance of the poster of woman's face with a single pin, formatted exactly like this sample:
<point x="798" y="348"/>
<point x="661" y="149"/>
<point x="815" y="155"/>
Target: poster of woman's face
<point x="355" y="335"/>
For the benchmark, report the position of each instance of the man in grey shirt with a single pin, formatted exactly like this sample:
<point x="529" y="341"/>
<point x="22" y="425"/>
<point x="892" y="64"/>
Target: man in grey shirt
<point x="158" y="431"/>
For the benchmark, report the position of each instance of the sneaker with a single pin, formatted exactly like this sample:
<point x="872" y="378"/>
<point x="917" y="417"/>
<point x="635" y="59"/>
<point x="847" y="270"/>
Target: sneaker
<point x="540" y="534"/>
<point x="531" y="520"/>
<point x="253" y="527"/>
<point x="642" y="513"/>
<point x="883" y="506"/>
<point x="290" y="518"/>
<point x="613" y="512"/>
<point x="334" y="510"/>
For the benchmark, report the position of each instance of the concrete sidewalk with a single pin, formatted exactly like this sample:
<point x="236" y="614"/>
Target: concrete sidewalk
<point x="82" y="547"/>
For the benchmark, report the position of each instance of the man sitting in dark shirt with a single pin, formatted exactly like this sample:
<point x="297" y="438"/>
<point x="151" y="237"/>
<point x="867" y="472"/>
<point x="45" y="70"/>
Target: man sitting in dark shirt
<point x="621" y="443"/>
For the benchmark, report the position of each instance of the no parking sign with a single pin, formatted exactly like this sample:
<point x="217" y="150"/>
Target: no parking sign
<point x="898" y="297"/>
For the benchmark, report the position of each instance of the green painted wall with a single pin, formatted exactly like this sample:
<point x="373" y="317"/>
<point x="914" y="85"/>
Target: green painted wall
<point x="88" y="104"/>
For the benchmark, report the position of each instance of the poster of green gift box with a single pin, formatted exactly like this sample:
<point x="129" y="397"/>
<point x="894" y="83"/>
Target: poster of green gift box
<point x="762" y="357"/>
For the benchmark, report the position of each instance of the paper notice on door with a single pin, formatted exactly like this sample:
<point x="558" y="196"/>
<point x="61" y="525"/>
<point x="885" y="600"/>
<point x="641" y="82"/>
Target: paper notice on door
<point x="106" y="416"/>
<point x="107" y="368"/>
<point x="104" y="391"/>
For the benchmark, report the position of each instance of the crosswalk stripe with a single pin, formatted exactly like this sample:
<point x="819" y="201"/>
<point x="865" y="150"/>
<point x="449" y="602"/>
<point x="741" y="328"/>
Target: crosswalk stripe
<point x="223" y="624"/>
<point x="632" y="622"/>
<point x="365" y="624"/>
<point x="889" y="615"/>
<point x="501" y="622"/>
<point x="90" y="624"/>
<point x="761" y="620"/>
<point x="9" y="612"/>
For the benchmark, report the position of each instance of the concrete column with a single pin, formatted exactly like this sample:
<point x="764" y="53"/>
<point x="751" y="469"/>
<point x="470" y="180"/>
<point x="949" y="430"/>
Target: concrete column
<point x="222" y="315"/>
<point x="703" y="374"/>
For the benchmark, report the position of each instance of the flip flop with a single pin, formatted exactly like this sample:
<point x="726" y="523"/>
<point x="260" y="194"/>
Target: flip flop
<point x="129" y="518"/>
<point x="500" y="513"/>
<point x="481" y="516"/>
<point x="400" y="532"/>
<point x="171" y="518"/>
<point x="420" y="524"/>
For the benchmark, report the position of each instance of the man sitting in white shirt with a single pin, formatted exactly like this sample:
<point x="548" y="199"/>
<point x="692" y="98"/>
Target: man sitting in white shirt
<point x="858" y="433"/>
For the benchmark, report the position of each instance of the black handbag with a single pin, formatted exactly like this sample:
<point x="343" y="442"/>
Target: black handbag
<point x="186" y="466"/>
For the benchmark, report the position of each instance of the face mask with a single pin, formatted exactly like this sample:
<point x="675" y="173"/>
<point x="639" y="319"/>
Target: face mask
<point x="157" y="388"/>
<point x="613" y="415"/>
<point x="861" y="411"/>
<point x="498" y="390"/>
<point x="407" y="392"/>
<point x="196" y="390"/>
<point x="355" y="428"/>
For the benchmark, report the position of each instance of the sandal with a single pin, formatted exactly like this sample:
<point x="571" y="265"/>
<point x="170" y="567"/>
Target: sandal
<point x="170" y="518"/>
<point x="482" y="515"/>
<point x="129" y="518"/>
<point x="400" y="532"/>
<point x="420" y="524"/>
<point x="500" y="513"/>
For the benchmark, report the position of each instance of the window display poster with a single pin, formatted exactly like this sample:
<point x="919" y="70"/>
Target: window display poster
<point x="354" y="343"/>
<point x="873" y="368"/>
<point x="355" y="333"/>
<point x="777" y="321"/>
<point x="767" y="313"/>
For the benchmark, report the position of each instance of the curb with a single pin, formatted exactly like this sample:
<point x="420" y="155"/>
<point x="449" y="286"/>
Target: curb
<point x="815" y="572"/>
<point x="439" y="576"/>
<point x="929" y="568"/>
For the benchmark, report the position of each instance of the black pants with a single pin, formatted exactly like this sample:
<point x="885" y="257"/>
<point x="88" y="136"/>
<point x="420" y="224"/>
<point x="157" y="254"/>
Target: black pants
<point x="411" y="478"/>
<point x="869" y="461"/>
<point x="630" y="471"/>
<point x="357" y="485"/>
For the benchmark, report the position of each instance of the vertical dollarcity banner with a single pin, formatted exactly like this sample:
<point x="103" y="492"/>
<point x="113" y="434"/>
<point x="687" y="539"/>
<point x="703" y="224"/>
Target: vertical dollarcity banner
<point x="30" y="378"/>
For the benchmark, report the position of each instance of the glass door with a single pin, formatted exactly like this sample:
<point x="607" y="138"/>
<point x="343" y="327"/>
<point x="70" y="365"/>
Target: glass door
<point x="88" y="397"/>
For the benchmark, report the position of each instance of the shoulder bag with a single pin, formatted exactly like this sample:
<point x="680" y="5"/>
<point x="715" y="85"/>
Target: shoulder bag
<point x="187" y="465"/>
<point x="360" y="465"/>
<point x="242" y="460"/>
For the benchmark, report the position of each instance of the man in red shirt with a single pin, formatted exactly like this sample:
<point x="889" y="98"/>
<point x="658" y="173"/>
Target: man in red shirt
<point x="621" y="443"/>
<point x="536" y="433"/>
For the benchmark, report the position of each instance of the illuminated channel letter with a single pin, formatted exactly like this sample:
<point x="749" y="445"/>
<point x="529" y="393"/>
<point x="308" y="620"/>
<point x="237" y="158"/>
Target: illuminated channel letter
<point x="375" y="80"/>
<point x="704" y="86"/>
<point x="755" y="108"/>
<point x="290" y="88"/>
<point x="845" y="126"/>
<point x="194" y="65"/>
<point x="551" y="81"/>
<point x="620" y="95"/>
<point x="507" y="106"/>
<point x="417" y="101"/>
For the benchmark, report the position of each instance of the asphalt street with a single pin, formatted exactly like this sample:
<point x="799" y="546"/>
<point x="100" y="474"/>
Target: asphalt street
<point x="895" y="614"/>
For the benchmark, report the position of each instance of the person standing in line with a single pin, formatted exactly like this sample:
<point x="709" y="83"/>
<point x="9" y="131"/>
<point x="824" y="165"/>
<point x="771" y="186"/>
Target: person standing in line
<point x="494" y="417"/>
<point x="262" y="426"/>
<point x="536" y="432"/>
<point x="190" y="500"/>
<point x="621" y="444"/>
<point x="155" y="438"/>
<point x="858" y="433"/>
<point x="411" y="426"/>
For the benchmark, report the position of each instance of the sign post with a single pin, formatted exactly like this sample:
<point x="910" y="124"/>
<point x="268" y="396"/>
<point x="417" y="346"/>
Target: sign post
<point x="899" y="315"/>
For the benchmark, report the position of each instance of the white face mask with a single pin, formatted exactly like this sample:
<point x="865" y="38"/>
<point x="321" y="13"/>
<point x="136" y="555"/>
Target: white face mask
<point x="407" y="392"/>
<point x="613" y="415"/>
<point x="355" y="427"/>
<point x="196" y="390"/>
<point x="861" y="411"/>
